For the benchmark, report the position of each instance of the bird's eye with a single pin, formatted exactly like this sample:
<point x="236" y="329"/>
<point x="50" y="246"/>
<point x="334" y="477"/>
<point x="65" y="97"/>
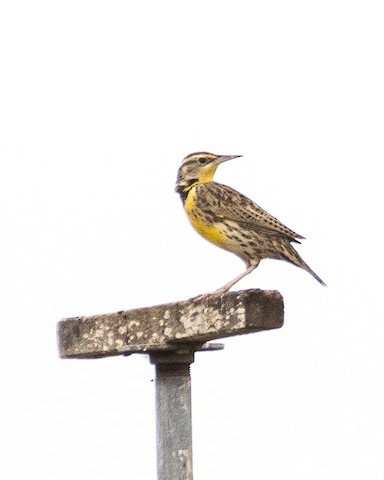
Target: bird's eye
<point x="202" y="160"/>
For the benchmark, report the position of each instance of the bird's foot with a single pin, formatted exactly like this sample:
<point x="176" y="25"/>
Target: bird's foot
<point x="221" y="290"/>
<point x="204" y="296"/>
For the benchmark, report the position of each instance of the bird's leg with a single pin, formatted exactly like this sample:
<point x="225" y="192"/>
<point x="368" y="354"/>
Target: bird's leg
<point x="230" y="284"/>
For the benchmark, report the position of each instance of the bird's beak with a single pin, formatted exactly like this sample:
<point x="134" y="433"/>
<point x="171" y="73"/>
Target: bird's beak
<point x="225" y="158"/>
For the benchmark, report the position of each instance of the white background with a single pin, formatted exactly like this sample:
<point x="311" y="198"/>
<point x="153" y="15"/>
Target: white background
<point x="100" y="101"/>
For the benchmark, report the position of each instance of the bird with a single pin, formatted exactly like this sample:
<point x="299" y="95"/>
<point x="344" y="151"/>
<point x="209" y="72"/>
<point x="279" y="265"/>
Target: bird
<point x="232" y="221"/>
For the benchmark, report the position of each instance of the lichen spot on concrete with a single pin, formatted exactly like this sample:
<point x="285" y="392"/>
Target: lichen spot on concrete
<point x="122" y="330"/>
<point x="218" y="324"/>
<point x="186" y="321"/>
<point x="241" y="313"/>
<point x="133" y="323"/>
<point x="167" y="331"/>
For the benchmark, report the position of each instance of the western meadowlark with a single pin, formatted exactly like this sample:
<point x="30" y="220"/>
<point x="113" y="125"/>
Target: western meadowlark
<point x="230" y="220"/>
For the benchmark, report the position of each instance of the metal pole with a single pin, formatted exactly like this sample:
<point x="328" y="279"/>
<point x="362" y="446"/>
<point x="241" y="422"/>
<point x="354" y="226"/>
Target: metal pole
<point x="173" y="416"/>
<point x="172" y="333"/>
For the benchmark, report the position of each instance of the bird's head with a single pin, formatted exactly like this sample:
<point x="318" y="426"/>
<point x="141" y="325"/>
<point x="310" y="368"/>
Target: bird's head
<point x="198" y="167"/>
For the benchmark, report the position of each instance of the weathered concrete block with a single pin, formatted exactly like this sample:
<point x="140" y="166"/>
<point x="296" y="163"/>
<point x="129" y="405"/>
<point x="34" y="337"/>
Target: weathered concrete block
<point x="170" y="326"/>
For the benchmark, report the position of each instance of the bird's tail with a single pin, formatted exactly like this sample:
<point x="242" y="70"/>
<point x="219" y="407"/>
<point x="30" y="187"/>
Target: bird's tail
<point x="314" y="274"/>
<point x="292" y="256"/>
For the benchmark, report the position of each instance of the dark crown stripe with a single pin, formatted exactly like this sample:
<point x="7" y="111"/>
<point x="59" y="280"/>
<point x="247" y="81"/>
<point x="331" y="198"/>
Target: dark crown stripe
<point x="193" y="156"/>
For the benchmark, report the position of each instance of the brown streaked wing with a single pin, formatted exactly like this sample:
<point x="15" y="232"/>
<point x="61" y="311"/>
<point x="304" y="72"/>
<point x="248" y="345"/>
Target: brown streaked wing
<point x="230" y="204"/>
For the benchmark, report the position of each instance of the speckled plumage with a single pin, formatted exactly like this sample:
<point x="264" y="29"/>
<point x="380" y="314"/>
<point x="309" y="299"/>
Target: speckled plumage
<point x="232" y="221"/>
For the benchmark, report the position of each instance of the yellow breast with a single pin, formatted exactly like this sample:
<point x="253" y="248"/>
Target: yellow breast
<point x="208" y="229"/>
